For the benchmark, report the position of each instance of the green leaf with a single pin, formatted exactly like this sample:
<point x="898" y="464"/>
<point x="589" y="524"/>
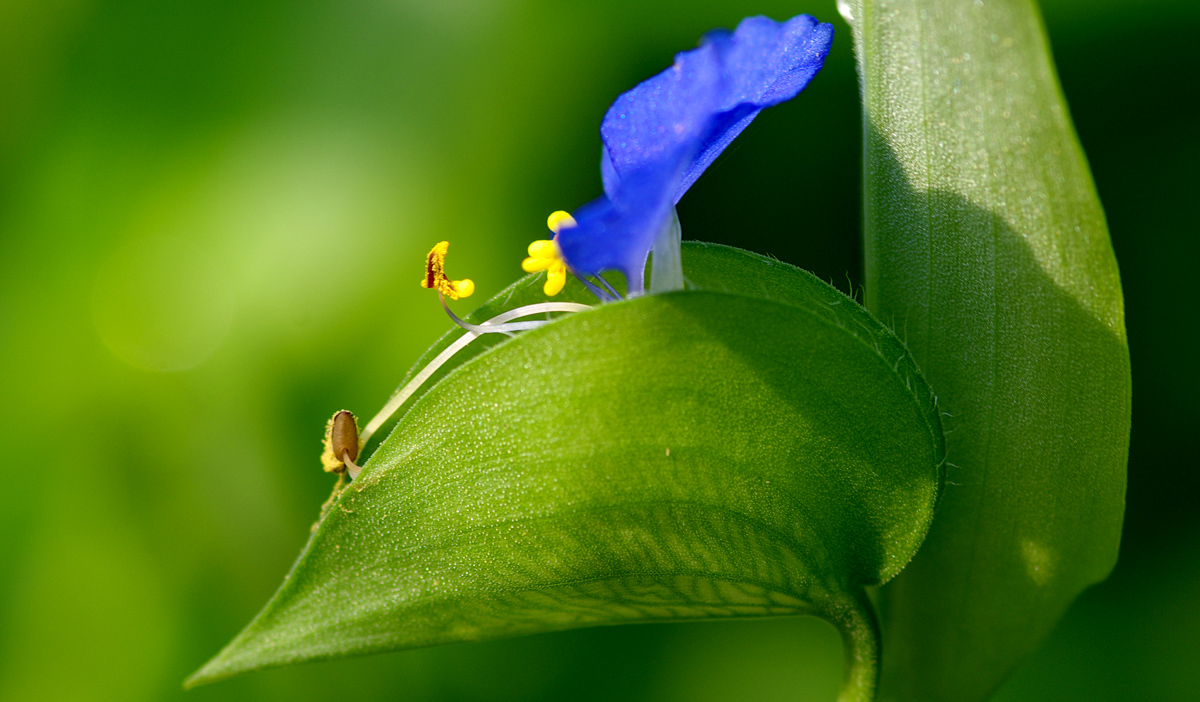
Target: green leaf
<point x="762" y="447"/>
<point x="987" y="248"/>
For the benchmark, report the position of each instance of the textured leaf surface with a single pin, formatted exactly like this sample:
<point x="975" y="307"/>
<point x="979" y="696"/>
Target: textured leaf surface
<point x="987" y="247"/>
<point x="762" y="447"/>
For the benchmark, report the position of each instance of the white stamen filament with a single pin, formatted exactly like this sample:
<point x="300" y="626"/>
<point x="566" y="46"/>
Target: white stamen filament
<point x="492" y="326"/>
<point x="506" y="329"/>
<point x="352" y="468"/>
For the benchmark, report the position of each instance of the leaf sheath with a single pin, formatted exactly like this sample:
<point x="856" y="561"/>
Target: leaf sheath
<point x="987" y="248"/>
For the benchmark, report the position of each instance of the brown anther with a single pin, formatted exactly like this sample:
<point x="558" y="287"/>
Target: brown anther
<point x="345" y="435"/>
<point x="341" y="443"/>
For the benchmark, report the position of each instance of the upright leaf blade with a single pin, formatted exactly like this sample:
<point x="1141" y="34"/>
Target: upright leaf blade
<point x="694" y="454"/>
<point x="987" y="248"/>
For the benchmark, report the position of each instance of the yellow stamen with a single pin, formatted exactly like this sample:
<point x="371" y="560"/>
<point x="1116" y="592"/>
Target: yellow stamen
<point x="545" y="248"/>
<point x="556" y="279"/>
<point x="435" y="275"/>
<point x="559" y="220"/>
<point x="544" y="255"/>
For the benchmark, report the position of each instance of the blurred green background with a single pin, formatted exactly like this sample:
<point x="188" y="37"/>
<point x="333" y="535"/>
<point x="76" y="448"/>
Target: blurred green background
<point x="212" y="223"/>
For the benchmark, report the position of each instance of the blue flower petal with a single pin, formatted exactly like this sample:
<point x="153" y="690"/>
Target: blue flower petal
<point x="616" y="234"/>
<point x="661" y="135"/>
<point x="761" y="64"/>
<point x="764" y="63"/>
<point x="662" y="121"/>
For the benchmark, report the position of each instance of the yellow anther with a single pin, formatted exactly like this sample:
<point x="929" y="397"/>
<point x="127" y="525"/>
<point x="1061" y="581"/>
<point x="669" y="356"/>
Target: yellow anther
<point x="544" y="249"/>
<point x="556" y="279"/>
<point x="544" y="255"/>
<point x="435" y="275"/>
<point x="557" y="221"/>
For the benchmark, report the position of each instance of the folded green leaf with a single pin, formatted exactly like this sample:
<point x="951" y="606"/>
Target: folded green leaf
<point x="762" y="447"/>
<point x="987" y="248"/>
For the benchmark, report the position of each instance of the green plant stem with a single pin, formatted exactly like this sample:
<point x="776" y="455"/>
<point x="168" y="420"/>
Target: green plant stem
<point x="854" y="616"/>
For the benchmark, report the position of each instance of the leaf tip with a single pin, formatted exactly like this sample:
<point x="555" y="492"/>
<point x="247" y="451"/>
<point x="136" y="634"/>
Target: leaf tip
<point x="237" y="657"/>
<point x="209" y="672"/>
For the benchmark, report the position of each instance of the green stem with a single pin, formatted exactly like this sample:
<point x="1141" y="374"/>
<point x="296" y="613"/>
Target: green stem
<point x="854" y="616"/>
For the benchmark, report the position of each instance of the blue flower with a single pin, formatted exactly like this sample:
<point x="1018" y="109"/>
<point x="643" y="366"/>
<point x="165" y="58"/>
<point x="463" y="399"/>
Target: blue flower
<point x="661" y="135"/>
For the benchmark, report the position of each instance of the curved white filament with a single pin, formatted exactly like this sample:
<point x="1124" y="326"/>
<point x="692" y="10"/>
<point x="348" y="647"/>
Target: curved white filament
<point x="499" y="326"/>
